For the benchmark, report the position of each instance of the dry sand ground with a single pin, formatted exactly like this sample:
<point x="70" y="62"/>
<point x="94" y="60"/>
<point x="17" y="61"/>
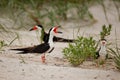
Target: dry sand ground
<point x="28" y="66"/>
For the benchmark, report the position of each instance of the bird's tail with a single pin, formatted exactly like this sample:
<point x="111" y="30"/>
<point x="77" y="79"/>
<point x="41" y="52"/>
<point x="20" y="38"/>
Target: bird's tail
<point x="23" y="50"/>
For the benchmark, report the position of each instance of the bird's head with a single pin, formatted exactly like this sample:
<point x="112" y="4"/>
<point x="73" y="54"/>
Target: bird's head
<point x="103" y="42"/>
<point x="37" y="27"/>
<point x="54" y="30"/>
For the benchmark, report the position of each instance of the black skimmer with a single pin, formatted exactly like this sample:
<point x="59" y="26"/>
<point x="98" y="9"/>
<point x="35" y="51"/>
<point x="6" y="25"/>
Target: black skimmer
<point x="44" y="35"/>
<point x="102" y="52"/>
<point x="42" y="48"/>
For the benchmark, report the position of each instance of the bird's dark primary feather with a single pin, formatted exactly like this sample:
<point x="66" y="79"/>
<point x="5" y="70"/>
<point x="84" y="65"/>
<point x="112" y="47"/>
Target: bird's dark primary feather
<point x="56" y="39"/>
<point x="59" y="39"/>
<point x="97" y="53"/>
<point x="42" y="48"/>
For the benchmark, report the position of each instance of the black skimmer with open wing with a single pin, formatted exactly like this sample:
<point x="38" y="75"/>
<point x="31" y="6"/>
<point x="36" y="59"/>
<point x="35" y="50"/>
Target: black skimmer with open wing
<point x="44" y="35"/>
<point x="42" y="48"/>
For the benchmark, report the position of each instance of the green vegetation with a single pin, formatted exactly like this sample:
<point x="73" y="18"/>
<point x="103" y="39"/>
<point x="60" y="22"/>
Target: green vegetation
<point x="53" y="10"/>
<point x="2" y="44"/>
<point x="105" y="31"/>
<point x="116" y="53"/>
<point x="83" y="49"/>
<point x="49" y="12"/>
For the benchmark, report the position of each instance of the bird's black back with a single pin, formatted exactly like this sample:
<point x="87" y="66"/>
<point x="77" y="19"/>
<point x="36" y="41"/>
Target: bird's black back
<point x="42" y="48"/>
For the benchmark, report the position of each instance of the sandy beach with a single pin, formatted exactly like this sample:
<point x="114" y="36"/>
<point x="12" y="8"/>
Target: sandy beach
<point x="29" y="67"/>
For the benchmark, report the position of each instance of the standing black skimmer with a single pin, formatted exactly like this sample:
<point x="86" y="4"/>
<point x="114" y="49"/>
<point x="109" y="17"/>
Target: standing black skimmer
<point x="42" y="48"/>
<point x="45" y="36"/>
<point x="102" y="52"/>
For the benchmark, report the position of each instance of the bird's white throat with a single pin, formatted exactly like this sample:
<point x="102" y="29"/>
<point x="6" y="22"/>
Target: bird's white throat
<point x="51" y="40"/>
<point x="103" y="50"/>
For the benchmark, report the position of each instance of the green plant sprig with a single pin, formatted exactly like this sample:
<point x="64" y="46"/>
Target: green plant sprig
<point x="2" y="44"/>
<point x="105" y="31"/>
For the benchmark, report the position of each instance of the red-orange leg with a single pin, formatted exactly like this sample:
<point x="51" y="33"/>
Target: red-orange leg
<point x="43" y="58"/>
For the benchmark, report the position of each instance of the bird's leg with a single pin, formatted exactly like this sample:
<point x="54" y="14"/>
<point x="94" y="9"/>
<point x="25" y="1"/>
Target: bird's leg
<point x="43" y="58"/>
